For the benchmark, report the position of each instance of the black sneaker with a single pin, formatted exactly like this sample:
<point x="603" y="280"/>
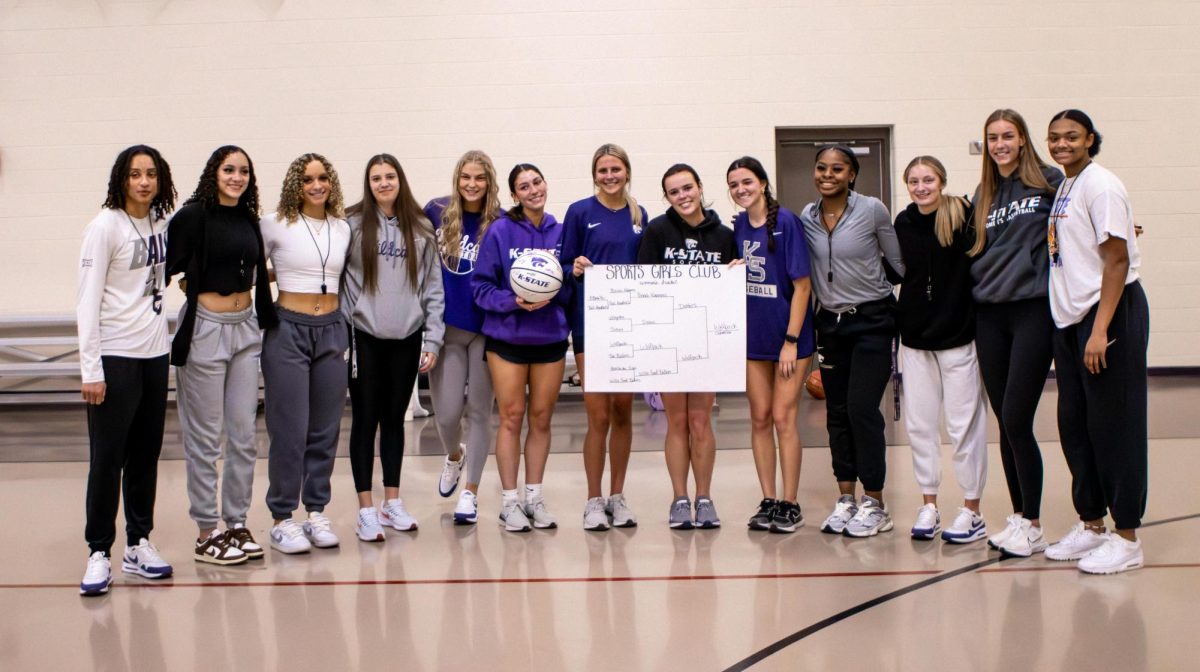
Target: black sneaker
<point x="787" y="518"/>
<point x="761" y="520"/>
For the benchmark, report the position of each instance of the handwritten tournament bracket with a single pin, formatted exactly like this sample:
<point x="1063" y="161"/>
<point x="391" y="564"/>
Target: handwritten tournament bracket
<point x="661" y="328"/>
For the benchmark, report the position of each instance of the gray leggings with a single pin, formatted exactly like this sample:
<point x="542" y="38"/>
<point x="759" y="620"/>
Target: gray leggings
<point x="304" y="372"/>
<point x="461" y="365"/>
<point x="218" y="390"/>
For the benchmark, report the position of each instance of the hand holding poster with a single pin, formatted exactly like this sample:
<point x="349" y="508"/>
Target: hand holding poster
<point x="662" y="328"/>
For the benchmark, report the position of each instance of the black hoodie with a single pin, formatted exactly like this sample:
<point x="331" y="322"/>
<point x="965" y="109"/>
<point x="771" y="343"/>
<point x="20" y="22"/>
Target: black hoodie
<point x="936" y="310"/>
<point x="670" y="240"/>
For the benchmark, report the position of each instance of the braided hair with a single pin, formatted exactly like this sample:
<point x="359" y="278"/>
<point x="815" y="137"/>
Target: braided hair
<point x="755" y="166"/>
<point x="118" y="181"/>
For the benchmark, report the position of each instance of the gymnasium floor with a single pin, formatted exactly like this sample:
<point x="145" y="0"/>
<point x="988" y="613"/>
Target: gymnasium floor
<point x="448" y="598"/>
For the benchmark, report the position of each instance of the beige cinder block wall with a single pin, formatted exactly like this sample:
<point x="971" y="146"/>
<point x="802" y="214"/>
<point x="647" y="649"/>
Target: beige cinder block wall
<point x="702" y="81"/>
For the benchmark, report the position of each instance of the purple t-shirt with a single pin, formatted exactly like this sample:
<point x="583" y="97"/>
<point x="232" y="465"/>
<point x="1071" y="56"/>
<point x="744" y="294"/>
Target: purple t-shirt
<point x="603" y="236"/>
<point x="461" y="311"/>
<point x="769" y="288"/>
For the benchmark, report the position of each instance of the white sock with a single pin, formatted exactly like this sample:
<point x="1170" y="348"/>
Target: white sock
<point x="533" y="492"/>
<point x="508" y="497"/>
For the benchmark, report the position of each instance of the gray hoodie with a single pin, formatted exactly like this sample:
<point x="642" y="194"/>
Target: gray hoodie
<point x="395" y="311"/>
<point x="1014" y="264"/>
<point x="847" y="263"/>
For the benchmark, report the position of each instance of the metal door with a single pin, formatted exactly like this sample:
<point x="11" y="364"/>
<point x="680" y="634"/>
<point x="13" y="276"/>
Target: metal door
<point x="795" y="156"/>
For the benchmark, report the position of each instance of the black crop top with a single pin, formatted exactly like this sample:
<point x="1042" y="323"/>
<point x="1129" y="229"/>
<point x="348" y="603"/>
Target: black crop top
<point x="227" y="245"/>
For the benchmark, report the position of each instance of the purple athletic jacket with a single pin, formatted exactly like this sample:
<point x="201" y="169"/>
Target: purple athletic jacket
<point x="503" y="320"/>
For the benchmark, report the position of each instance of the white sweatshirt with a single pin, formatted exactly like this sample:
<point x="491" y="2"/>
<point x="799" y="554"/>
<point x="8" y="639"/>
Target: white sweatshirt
<point x="119" y="300"/>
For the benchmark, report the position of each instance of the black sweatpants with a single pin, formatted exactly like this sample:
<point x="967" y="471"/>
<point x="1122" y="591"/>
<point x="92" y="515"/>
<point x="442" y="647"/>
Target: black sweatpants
<point x="379" y="397"/>
<point x="125" y="436"/>
<point x="855" y="353"/>
<point x="1102" y="417"/>
<point x="1014" y="342"/>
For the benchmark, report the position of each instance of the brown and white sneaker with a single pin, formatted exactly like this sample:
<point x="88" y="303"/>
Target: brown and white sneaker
<point x="239" y="536"/>
<point x="216" y="549"/>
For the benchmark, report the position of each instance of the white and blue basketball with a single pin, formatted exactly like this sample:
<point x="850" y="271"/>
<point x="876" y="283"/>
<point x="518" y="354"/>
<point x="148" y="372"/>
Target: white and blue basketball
<point x="535" y="276"/>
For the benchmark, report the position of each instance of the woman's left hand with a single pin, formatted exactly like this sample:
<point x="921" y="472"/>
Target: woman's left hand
<point x="737" y="262"/>
<point x="1094" y="352"/>
<point x="581" y="262"/>
<point x="428" y="361"/>
<point x="787" y="360"/>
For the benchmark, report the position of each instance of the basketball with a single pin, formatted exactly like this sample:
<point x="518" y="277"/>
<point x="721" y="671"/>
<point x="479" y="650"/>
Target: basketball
<point x="536" y="276"/>
<point x="813" y="384"/>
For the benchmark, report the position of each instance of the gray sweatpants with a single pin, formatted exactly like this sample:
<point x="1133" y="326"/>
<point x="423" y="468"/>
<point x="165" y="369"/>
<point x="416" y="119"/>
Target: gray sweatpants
<point x="218" y="390"/>
<point x="304" y="374"/>
<point x="460" y="365"/>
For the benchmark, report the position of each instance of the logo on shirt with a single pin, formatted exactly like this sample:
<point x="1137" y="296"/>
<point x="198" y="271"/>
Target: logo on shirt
<point x="518" y="251"/>
<point x="1007" y="213"/>
<point x="756" y="270"/>
<point x="691" y="243"/>
<point x="1058" y="212"/>
<point x="676" y="255"/>
<point x="390" y="249"/>
<point x="592" y="225"/>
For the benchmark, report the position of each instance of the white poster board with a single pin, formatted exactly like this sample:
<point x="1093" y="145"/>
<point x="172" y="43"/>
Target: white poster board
<point x="662" y="328"/>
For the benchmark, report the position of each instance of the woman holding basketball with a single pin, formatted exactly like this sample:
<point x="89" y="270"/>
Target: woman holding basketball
<point x="526" y="344"/>
<point x="605" y="228"/>
<point x="461" y="219"/>
<point x="850" y="237"/>
<point x="771" y="241"/>
<point x="688" y="234"/>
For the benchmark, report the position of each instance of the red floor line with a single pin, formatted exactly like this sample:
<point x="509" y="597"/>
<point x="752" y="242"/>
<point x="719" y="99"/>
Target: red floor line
<point x="1070" y="567"/>
<point x="451" y="582"/>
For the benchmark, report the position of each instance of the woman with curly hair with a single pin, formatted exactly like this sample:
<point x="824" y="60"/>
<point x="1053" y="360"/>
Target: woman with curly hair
<point x="392" y="296"/>
<point x="123" y="360"/>
<point x="303" y="362"/>
<point x="216" y="243"/>
<point x="460" y="220"/>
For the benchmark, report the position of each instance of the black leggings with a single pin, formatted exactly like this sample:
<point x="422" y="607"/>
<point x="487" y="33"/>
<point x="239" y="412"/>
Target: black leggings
<point x="1102" y="417"/>
<point x="125" y="436"/>
<point x="379" y="397"/>
<point x="1014" y="342"/>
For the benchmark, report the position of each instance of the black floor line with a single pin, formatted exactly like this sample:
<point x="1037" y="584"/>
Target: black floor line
<point x="782" y="644"/>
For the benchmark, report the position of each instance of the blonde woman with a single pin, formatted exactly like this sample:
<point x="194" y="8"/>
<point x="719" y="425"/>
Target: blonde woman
<point x="303" y="358"/>
<point x="460" y="220"/>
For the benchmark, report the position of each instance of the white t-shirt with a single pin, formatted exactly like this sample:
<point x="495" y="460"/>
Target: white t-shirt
<point x="119" y="298"/>
<point x="1088" y="209"/>
<point x="298" y="250"/>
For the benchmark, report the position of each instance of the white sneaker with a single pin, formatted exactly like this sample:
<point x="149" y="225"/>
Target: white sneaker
<point x="513" y="518"/>
<point x="537" y="512"/>
<point x="288" y="537"/>
<point x="368" y="528"/>
<point x="466" y="512"/>
<point x="394" y="515"/>
<point x="967" y="527"/>
<point x="144" y="560"/>
<point x="319" y="530"/>
<point x="871" y="519"/>
<point x="1078" y="543"/>
<point x="594" y="518"/>
<point x="1013" y="522"/>
<point x="929" y="521"/>
<point x="98" y="575"/>
<point x="451" y="471"/>
<point x="843" y="511"/>
<point x="618" y="509"/>
<point x="1115" y="555"/>
<point x="1024" y="541"/>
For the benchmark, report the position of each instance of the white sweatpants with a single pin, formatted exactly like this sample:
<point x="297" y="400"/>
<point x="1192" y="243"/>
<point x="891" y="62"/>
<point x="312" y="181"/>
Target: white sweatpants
<point x="949" y="380"/>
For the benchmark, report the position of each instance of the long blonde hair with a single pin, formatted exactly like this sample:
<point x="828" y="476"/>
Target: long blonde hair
<point x="291" y="195"/>
<point x="451" y="224"/>
<point x="951" y="211"/>
<point x="609" y="149"/>
<point x="1029" y="171"/>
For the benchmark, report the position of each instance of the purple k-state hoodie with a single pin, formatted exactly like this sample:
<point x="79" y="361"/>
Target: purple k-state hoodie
<point x="503" y="320"/>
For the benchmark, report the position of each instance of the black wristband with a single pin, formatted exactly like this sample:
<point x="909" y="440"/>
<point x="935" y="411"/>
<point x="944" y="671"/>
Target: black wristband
<point x="791" y="339"/>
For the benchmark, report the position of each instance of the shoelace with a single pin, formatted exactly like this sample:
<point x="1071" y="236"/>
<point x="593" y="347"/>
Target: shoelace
<point x="290" y="529"/>
<point x="147" y="553"/>
<point x="319" y="522"/>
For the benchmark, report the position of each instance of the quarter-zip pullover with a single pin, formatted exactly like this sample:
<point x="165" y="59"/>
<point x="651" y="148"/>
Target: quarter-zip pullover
<point x="847" y="266"/>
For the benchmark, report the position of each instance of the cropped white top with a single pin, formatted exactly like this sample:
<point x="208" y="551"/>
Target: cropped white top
<point x="308" y="254"/>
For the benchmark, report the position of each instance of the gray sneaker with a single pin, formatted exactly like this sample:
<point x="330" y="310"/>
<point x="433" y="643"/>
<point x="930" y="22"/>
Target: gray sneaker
<point x="594" y="519"/>
<point x="681" y="514"/>
<point x="540" y="515"/>
<point x="843" y="511"/>
<point x="513" y="518"/>
<point x="619" y="511"/>
<point x="871" y="519"/>
<point x="706" y="514"/>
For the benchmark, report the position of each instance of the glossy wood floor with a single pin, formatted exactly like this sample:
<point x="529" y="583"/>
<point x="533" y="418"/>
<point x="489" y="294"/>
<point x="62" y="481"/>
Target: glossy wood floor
<point x="455" y="598"/>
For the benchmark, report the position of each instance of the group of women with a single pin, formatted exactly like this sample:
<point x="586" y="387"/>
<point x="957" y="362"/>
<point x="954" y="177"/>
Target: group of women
<point x="1035" y="267"/>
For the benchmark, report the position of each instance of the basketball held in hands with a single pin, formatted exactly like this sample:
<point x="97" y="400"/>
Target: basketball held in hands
<point x="536" y="276"/>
